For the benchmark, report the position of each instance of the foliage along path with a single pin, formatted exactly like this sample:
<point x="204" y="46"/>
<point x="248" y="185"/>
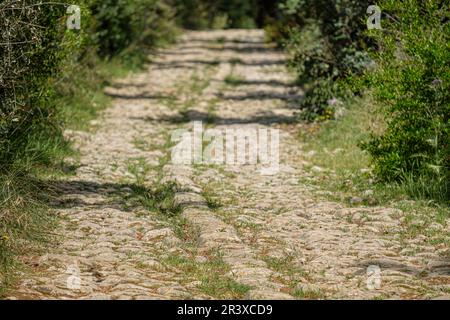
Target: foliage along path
<point x="227" y="231"/>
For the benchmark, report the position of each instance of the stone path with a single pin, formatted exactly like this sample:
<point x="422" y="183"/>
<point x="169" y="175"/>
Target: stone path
<point x="224" y="231"/>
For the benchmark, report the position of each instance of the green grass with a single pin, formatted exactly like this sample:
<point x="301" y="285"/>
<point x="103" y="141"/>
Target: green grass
<point x="188" y="92"/>
<point x="211" y="111"/>
<point x="348" y="171"/>
<point x="159" y="198"/>
<point x="81" y="99"/>
<point x="235" y="61"/>
<point x="139" y="168"/>
<point x="234" y="80"/>
<point x="314" y="294"/>
<point x="211" y="274"/>
<point x="142" y="143"/>
<point x="292" y="275"/>
<point x="422" y="219"/>
<point x="335" y="144"/>
<point x="198" y="83"/>
<point x="221" y="40"/>
<point x="25" y="221"/>
<point x="212" y="199"/>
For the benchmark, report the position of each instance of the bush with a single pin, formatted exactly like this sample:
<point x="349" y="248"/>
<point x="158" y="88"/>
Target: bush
<point x="412" y="81"/>
<point x="326" y="43"/>
<point x="329" y="44"/>
<point x="37" y="48"/>
<point x="405" y="65"/>
<point x="31" y="57"/>
<point x="123" y="24"/>
<point x="200" y="14"/>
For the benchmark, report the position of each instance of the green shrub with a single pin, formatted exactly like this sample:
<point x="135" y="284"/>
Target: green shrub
<point x="412" y="81"/>
<point x="39" y="53"/>
<point x="31" y="57"/>
<point x="326" y="42"/>
<point x="123" y="24"/>
<point x="405" y="65"/>
<point x="200" y="14"/>
<point x="194" y="14"/>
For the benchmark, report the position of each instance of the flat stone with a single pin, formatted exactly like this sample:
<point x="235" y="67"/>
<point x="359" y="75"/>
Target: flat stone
<point x="152" y="235"/>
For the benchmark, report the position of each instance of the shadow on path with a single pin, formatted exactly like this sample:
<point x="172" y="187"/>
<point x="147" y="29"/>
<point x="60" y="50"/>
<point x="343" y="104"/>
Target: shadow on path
<point x="264" y="118"/>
